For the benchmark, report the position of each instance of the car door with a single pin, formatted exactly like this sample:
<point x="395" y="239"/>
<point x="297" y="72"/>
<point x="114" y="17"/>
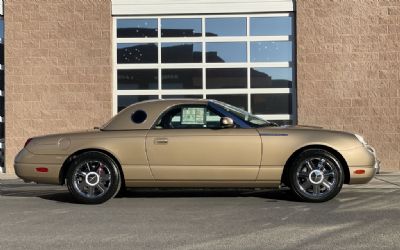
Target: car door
<point x="189" y="144"/>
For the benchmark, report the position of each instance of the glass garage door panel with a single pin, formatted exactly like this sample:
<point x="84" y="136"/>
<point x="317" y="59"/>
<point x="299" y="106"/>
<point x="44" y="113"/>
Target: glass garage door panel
<point x="182" y="78"/>
<point x="136" y="28"/>
<point x="271" y="77"/>
<point x="271" y="103"/>
<point x="137" y="53"/>
<point x="271" y="26"/>
<point x="242" y="59"/>
<point x="181" y="27"/>
<point x="137" y="79"/>
<point x="226" y="52"/>
<point x="226" y="78"/>
<point x="181" y="52"/>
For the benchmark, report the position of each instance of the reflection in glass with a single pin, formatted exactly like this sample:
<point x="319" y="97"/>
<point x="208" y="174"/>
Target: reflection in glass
<point x="239" y="101"/>
<point x="137" y="53"/>
<point x="232" y="26"/>
<point x="1" y="28"/>
<point x="2" y="80"/>
<point x="137" y="28"/>
<point x="226" y="78"/>
<point x="271" y="77"/>
<point x="2" y="53"/>
<point x="181" y="79"/>
<point x="181" y="52"/>
<point x="137" y="79"/>
<point x="271" y="104"/>
<point x="282" y="122"/>
<point x="271" y="51"/>
<point x="180" y="27"/>
<point x="126" y="100"/>
<point x="226" y="52"/>
<point x="182" y="96"/>
<point x="271" y="26"/>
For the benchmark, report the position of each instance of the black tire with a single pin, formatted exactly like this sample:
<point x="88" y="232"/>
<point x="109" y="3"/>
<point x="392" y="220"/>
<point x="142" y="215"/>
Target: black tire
<point x="315" y="175"/>
<point x="93" y="178"/>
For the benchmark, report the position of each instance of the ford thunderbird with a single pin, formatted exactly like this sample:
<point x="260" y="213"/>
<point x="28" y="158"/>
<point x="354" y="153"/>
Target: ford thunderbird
<point x="197" y="144"/>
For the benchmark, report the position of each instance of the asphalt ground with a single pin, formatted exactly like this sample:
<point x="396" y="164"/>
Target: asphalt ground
<point x="36" y="216"/>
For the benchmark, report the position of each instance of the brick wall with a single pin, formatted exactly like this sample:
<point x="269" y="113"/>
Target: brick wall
<point x="348" y="54"/>
<point x="58" y="68"/>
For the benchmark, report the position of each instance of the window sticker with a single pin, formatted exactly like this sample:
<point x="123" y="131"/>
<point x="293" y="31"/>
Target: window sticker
<point x="192" y="116"/>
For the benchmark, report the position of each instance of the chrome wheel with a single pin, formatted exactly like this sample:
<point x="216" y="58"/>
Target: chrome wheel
<point x="92" y="179"/>
<point x="317" y="176"/>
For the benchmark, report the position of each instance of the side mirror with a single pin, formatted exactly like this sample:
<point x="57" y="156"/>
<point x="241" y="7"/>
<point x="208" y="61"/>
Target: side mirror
<point x="226" y="122"/>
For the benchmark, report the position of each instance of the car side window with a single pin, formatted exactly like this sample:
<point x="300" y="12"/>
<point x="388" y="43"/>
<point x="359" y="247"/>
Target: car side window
<point x="189" y="117"/>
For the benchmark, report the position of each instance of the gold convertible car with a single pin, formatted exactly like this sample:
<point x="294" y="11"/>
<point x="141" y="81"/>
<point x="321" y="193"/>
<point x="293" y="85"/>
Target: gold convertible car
<point x="197" y="143"/>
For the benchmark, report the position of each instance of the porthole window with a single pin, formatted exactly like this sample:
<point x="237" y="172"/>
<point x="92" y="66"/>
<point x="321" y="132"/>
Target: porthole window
<point x="139" y="116"/>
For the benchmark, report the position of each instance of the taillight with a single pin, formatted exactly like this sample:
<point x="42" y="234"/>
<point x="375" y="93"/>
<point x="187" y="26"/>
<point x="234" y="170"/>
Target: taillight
<point x="27" y="142"/>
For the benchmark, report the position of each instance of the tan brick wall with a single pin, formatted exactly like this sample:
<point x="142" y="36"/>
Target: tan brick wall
<point x="58" y="68"/>
<point x="349" y="70"/>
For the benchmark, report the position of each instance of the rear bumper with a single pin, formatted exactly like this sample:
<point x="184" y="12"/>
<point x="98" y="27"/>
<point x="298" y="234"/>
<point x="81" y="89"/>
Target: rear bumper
<point x="26" y="164"/>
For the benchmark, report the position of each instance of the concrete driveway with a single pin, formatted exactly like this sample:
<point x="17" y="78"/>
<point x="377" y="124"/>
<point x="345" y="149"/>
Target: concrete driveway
<point x="45" y="217"/>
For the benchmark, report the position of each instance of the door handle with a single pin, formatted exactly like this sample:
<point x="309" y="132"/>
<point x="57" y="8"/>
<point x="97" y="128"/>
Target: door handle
<point x="161" y="141"/>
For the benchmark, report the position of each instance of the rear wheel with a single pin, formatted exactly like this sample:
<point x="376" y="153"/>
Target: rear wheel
<point x="316" y="176"/>
<point x="93" y="178"/>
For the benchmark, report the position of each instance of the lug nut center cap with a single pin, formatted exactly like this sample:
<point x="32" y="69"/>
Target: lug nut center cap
<point x="316" y="176"/>
<point x="92" y="178"/>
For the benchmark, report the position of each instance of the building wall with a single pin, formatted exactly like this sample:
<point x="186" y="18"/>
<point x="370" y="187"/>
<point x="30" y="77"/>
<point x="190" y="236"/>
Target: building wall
<point x="348" y="54"/>
<point x="58" y="75"/>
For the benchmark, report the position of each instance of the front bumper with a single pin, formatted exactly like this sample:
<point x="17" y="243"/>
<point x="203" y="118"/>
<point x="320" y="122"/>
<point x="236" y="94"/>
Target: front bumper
<point x="361" y="174"/>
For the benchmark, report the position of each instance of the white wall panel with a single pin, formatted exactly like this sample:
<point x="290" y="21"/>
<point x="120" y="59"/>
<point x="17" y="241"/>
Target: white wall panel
<point x="163" y="7"/>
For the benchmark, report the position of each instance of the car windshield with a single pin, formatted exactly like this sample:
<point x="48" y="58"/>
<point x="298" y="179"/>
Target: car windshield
<point x="250" y="119"/>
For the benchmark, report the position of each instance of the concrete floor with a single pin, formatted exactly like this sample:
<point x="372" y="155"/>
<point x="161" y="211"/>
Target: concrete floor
<point x="45" y="217"/>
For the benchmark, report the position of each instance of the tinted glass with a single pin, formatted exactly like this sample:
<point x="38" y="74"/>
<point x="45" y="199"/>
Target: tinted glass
<point x="234" y="26"/>
<point x="137" y="79"/>
<point x="137" y="53"/>
<point x="137" y="28"/>
<point x="181" y="52"/>
<point x="270" y="26"/>
<point x="226" y="78"/>
<point x="126" y="100"/>
<point x="181" y="78"/>
<point x="139" y="116"/>
<point x="182" y="96"/>
<point x="271" y="51"/>
<point x="1" y="53"/>
<point x="226" y="52"/>
<point x="271" y="77"/>
<point x="180" y="27"/>
<point x="1" y="79"/>
<point x="239" y="101"/>
<point x="271" y="103"/>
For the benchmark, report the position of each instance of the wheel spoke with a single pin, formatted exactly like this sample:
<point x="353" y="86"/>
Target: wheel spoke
<point x="302" y="174"/>
<point x="310" y="165"/>
<point x="91" y="191"/>
<point x="321" y="163"/>
<point x="81" y="173"/>
<point x="316" y="189"/>
<point x="306" y="185"/>
<point x="327" y="184"/>
<point x="101" y="187"/>
<point x="81" y="185"/>
<point x="329" y="174"/>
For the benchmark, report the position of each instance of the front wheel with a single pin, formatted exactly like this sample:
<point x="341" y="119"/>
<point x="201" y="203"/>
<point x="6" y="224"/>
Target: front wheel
<point x="316" y="176"/>
<point x="93" y="178"/>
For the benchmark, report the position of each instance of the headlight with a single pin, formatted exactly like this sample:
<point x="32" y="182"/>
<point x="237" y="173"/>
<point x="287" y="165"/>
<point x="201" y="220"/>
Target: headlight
<point x="361" y="139"/>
